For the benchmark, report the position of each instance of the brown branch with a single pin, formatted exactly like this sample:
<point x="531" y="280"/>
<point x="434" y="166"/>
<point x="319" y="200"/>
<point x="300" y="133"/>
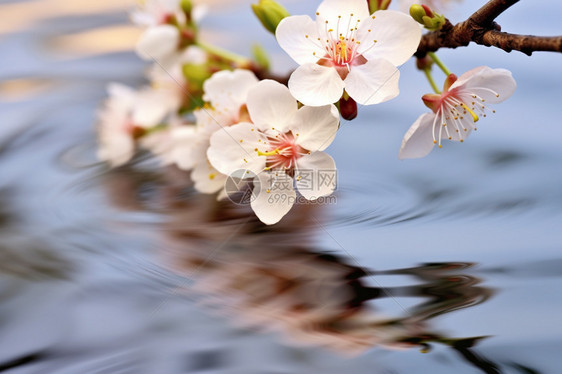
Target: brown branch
<point x="490" y="11"/>
<point x="481" y="29"/>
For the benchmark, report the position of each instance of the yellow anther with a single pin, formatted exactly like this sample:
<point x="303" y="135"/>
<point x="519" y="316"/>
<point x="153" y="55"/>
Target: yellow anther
<point x="474" y="116"/>
<point x="212" y="176"/>
<point x="270" y="153"/>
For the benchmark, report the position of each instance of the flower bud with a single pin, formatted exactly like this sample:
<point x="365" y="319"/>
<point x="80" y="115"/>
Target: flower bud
<point x="261" y="57"/>
<point x="186" y="6"/>
<point x="424" y="63"/>
<point x="348" y="108"/>
<point x="375" y="5"/>
<point x="425" y="16"/>
<point x="270" y="13"/>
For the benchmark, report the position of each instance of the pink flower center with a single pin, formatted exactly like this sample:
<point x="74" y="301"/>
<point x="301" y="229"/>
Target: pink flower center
<point x="283" y="152"/>
<point x="342" y="51"/>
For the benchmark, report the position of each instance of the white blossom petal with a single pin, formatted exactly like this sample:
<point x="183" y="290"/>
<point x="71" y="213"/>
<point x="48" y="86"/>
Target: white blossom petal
<point x="373" y="82"/>
<point x="298" y="37"/>
<point x="121" y="95"/>
<point x="492" y="85"/>
<point x="185" y="141"/>
<point x="316" y="85"/>
<point x="418" y="141"/>
<point x="209" y="120"/>
<point x="233" y="148"/>
<point x="273" y="197"/>
<point x="316" y="127"/>
<point x="228" y="90"/>
<point x="150" y="107"/>
<point x="158" y="42"/>
<point x="316" y="175"/>
<point x="271" y="105"/>
<point x="341" y="15"/>
<point x="207" y="179"/>
<point x="161" y="144"/>
<point x="397" y="37"/>
<point x="116" y="148"/>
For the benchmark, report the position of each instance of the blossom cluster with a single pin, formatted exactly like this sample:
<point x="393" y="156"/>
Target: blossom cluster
<point x="210" y="112"/>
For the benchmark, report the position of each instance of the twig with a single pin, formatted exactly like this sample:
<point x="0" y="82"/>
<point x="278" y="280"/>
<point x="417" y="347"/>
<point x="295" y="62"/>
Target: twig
<point x="480" y="28"/>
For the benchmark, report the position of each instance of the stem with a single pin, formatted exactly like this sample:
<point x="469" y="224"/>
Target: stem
<point x="227" y="55"/>
<point x="439" y="63"/>
<point x="431" y="81"/>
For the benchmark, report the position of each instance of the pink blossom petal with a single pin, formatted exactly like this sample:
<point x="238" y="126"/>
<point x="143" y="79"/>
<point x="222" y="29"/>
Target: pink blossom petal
<point x="492" y="85"/>
<point x="418" y="141"/>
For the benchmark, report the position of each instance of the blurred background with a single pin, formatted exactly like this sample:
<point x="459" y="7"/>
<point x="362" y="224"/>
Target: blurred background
<point x="451" y="263"/>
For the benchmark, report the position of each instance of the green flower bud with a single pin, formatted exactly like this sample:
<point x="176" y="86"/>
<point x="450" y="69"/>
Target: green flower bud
<point x="186" y="6"/>
<point x="196" y="74"/>
<point x="417" y="12"/>
<point x="429" y="19"/>
<point x="375" y="5"/>
<point x="270" y="13"/>
<point x="261" y="57"/>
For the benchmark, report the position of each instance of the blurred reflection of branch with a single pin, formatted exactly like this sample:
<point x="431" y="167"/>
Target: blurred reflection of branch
<point x="21" y="253"/>
<point x="271" y="277"/>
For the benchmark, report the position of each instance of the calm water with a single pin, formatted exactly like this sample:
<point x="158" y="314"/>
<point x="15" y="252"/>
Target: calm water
<point x="130" y="271"/>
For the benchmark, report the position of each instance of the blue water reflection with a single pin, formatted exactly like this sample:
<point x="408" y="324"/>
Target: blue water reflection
<point x="130" y="271"/>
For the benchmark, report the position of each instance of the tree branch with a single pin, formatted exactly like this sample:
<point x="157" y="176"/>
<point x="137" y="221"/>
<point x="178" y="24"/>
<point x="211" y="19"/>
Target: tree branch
<point x="490" y="11"/>
<point x="480" y="28"/>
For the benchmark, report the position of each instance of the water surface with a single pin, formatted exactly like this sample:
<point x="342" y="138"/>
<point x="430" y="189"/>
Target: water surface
<point x="449" y="264"/>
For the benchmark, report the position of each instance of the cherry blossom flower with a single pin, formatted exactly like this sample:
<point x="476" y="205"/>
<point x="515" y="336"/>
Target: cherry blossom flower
<point x="347" y="48"/>
<point x="225" y="93"/>
<point x="127" y="115"/>
<point x="457" y="109"/>
<point x="116" y="127"/>
<point x="282" y="146"/>
<point x="160" y="39"/>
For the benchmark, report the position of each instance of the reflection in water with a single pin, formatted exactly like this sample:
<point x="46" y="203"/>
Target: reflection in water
<point x="271" y="277"/>
<point x="22" y="254"/>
